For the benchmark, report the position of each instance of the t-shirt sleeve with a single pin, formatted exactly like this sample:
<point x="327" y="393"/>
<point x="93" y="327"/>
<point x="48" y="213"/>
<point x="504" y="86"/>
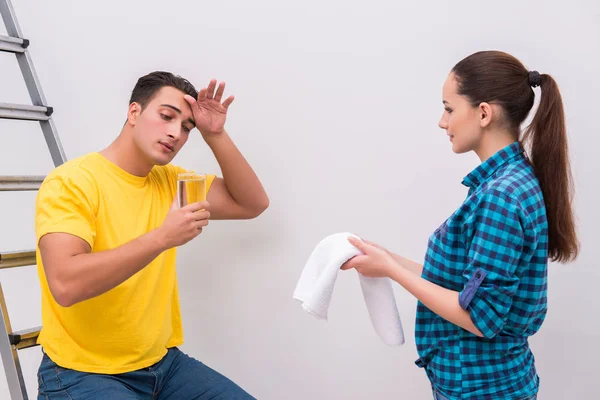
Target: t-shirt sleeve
<point x="66" y="205"/>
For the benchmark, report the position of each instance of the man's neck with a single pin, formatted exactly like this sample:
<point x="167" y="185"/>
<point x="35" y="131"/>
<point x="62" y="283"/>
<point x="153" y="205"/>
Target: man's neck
<point x="124" y="153"/>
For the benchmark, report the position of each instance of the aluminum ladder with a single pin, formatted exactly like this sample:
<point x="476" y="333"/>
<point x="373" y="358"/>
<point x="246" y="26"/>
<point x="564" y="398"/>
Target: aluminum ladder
<point x="11" y="342"/>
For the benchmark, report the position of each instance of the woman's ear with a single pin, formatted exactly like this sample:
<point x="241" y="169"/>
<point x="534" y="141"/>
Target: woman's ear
<point x="486" y="114"/>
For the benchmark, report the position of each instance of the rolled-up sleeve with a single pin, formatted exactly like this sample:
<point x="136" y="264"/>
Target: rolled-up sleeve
<point x="496" y="246"/>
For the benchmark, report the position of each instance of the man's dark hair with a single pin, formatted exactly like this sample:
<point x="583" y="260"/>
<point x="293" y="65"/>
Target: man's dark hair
<point x="148" y="85"/>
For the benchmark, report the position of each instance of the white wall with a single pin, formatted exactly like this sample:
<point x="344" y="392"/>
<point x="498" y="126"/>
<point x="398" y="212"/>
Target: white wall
<point x="336" y="107"/>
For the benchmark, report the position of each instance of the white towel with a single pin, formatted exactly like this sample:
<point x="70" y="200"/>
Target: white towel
<point x="315" y="287"/>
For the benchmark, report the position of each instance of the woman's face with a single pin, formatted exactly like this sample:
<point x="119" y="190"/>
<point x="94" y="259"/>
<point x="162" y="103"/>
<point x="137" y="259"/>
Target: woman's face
<point x="460" y="119"/>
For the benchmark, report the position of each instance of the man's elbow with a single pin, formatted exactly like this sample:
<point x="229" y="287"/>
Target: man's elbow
<point x="264" y="204"/>
<point x="62" y="294"/>
<point x="63" y="298"/>
<point x="259" y="208"/>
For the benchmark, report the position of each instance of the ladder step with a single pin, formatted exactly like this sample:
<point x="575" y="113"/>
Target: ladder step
<point x="11" y="259"/>
<point x="25" y="338"/>
<point x="18" y="183"/>
<point x="24" y="112"/>
<point x="12" y="44"/>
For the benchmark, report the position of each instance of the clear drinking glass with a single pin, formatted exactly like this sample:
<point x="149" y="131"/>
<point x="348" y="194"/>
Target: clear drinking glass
<point x="191" y="188"/>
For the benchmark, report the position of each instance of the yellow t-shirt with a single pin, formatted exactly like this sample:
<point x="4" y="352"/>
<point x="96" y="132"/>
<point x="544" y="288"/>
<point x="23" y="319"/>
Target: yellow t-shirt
<point x="132" y="325"/>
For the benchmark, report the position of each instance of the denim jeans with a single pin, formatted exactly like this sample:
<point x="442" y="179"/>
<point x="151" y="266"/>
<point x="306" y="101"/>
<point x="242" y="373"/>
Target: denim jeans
<point x="438" y="396"/>
<point x="176" y="377"/>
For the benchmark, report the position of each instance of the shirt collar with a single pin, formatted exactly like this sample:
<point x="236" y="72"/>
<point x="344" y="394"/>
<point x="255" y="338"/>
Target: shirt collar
<point x="492" y="164"/>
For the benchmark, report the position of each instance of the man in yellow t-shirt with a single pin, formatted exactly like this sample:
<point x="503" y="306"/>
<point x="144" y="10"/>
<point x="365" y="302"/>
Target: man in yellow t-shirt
<point x="107" y="227"/>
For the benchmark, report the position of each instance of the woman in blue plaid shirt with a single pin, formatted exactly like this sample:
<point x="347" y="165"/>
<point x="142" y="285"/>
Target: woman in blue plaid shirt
<point x="482" y="288"/>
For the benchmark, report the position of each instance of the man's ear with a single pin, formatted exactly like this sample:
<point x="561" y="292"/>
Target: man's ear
<point x="135" y="109"/>
<point x="486" y="114"/>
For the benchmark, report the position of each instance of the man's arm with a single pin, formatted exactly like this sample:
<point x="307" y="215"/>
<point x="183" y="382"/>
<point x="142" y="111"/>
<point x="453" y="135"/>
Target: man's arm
<point x="76" y="274"/>
<point x="239" y="194"/>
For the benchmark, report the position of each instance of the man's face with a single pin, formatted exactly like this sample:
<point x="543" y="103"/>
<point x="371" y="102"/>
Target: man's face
<point x="162" y="128"/>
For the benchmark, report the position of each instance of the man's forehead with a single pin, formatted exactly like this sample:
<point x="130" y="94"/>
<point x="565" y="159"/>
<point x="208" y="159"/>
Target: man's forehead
<point x="169" y="94"/>
<point x="173" y="97"/>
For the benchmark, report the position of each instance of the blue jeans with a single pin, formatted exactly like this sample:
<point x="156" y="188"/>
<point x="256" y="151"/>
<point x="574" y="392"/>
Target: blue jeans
<point x="438" y="396"/>
<point x="176" y="377"/>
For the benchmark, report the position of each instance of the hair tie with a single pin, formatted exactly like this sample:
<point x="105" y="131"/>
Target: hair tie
<point x="535" y="79"/>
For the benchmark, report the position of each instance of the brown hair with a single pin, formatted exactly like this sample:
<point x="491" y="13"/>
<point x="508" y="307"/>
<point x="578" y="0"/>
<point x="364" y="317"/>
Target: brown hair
<point x="499" y="78"/>
<point x="148" y="85"/>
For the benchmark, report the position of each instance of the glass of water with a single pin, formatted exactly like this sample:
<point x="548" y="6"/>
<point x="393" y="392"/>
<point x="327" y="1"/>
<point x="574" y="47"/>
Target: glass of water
<point x="191" y="188"/>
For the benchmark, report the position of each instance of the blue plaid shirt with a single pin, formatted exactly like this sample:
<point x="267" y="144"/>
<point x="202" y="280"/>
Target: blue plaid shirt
<point x="494" y="251"/>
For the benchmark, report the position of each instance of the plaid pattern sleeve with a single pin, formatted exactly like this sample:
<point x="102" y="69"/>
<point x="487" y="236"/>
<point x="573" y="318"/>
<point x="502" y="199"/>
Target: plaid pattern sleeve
<point x="497" y="243"/>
